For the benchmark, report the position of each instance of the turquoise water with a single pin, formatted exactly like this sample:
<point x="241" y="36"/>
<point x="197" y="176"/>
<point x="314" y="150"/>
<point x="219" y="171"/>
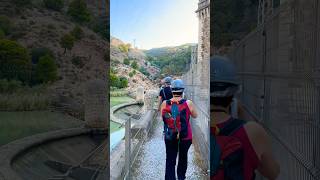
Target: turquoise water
<point x="116" y="137"/>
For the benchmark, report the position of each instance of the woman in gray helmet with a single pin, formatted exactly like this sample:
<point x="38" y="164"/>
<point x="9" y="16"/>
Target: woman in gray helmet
<point x="176" y="113"/>
<point x="246" y="143"/>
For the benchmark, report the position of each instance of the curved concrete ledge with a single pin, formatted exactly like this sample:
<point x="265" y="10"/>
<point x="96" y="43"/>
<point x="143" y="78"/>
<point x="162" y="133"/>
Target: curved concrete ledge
<point x="10" y="151"/>
<point x="118" y="107"/>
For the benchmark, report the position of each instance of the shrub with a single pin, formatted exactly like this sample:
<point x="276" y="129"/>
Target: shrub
<point x="5" y="24"/>
<point x="114" y="80"/>
<point x="56" y="5"/>
<point x="134" y="65"/>
<point x="15" y="62"/>
<point x="123" y="82"/>
<point x="46" y="69"/>
<point x="126" y="61"/>
<point x="144" y="71"/>
<point x="9" y="86"/>
<point x="134" y="72"/>
<point x="67" y="42"/>
<point x="101" y="27"/>
<point x="77" y="33"/>
<point x="79" y="11"/>
<point x="36" y="53"/>
<point x="131" y="74"/>
<point x="124" y="47"/>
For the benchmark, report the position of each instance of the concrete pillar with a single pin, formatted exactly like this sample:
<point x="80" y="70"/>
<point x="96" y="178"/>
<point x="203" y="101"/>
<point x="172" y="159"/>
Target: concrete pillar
<point x="140" y="94"/>
<point x="149" y="100"/>
<point x="96" y="114"/>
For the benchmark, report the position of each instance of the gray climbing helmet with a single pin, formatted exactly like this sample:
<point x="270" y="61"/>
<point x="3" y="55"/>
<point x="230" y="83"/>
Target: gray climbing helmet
<point x="167" y="80"/>
<point x="223" y="77"/>
<point x="177" y="85"/>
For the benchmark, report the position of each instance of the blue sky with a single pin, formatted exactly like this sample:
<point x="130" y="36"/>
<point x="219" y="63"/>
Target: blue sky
<point x="154" y="23"/>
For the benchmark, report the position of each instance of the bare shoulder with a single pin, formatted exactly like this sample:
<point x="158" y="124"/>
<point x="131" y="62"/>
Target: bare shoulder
<point x="257" y="136"/>
<point x="255" y="129"/>
<point x="189" y="101"/>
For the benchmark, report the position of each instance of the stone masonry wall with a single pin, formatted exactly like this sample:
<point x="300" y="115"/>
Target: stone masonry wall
<point x="197" y="83"/>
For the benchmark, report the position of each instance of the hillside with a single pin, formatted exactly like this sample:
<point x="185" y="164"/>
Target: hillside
<point x="121" y="51"/>
<point x="35" y="26"/>
<point x="171" y="60"/>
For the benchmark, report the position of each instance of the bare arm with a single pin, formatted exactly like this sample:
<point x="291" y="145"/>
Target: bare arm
<point x="192" y="108"/>
<point x="160" y="100"/>
<point x="260" y="140"/>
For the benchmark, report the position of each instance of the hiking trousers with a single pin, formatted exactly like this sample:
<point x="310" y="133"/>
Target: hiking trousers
<point x="174" y="148"/>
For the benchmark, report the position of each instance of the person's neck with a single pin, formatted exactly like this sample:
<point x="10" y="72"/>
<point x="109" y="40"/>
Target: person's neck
<point x="176" y="98"/>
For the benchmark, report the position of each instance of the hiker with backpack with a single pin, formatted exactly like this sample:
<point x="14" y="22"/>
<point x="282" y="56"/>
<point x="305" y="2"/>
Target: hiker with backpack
<point x="237" y="147"/>
<point x="176" y="114"/>
<point x="165" y="91"/>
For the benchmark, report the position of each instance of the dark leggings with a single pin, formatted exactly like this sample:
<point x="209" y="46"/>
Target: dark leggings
<point x="171" y="156"/>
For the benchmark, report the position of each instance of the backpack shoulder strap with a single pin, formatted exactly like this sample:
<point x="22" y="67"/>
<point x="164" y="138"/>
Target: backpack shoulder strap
<point x="164" y="93"/>
<point x="231" y="127"/>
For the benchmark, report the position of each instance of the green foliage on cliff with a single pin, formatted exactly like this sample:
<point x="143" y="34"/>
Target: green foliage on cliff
<point x="232" y="20"/>
<point x="171" y="61"/>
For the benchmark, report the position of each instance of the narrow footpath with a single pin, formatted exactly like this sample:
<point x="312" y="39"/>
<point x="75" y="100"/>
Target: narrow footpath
<point x="150" y="162"/>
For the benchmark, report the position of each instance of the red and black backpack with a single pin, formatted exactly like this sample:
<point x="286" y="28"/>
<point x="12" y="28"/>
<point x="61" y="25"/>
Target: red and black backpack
<point x="175" y="118"/>
<point x="226" y="152"/>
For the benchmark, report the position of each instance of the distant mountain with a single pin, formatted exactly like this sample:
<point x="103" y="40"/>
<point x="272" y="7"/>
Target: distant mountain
<point x="170" y="50"/>
<point x="171" y="60"/>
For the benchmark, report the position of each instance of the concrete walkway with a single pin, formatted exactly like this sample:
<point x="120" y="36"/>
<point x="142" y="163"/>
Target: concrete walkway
<point x="150" y="163"/>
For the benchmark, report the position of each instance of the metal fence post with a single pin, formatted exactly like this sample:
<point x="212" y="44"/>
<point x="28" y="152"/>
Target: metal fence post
<point x="128" y="149"/>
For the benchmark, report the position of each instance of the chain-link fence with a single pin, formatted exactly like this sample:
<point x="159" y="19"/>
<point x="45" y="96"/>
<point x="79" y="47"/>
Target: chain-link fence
<point x="279" y="67"/>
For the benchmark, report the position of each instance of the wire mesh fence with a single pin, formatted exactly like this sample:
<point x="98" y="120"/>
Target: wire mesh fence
<point x="278" y="66"/>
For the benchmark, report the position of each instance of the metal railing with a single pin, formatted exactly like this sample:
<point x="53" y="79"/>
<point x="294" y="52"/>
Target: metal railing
<point x="279" y="69"/>
<point x="134" y="138"/>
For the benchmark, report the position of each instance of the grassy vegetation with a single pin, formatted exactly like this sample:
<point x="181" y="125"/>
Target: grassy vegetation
<point x="120" y="100"/>
<point x="16" y="125"/>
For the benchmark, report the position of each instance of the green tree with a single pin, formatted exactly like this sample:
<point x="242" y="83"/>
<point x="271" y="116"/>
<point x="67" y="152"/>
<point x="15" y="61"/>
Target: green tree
<point x="79" y="11"/>
<point x="5" y="24"/>
<point x="77" y="33"/>
<point x="56" y="5"/>
<point x="15" y="62"/>
<point x="124" y="47"/>
<point x="114" y="80"/>
<point x="36" y="53"/>
<point x="134" y="65"/>
<point x="67" y="42"/>
<point x="46" y="69"/>
<point x="123" y="82"/>
<point x="126" y="61"/>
